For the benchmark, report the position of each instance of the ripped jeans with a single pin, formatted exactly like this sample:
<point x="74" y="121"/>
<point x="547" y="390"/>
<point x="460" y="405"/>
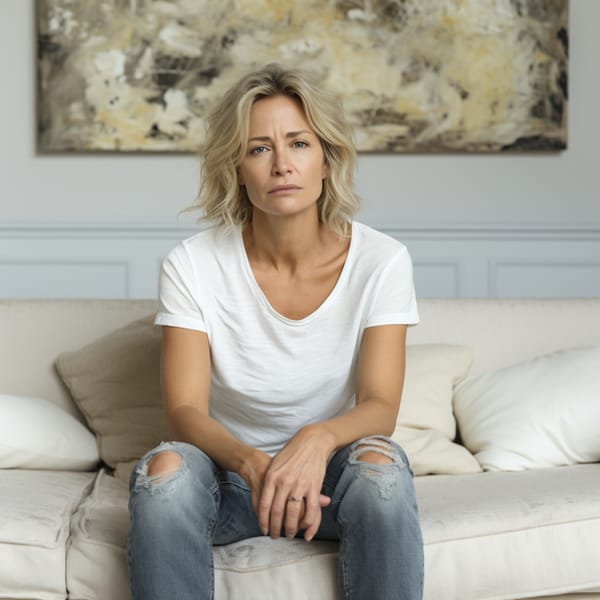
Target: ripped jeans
<point x="177" y="517"/>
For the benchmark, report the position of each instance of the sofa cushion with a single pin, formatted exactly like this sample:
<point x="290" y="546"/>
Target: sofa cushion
<point x="543" y="412"/>
<point x="35" y="513"/>
<point x="37" y="434"/>
<point x="115" y="382"/>
<point x="487" y="536"/>
<point x="426" y="427"/>
<point x="503" y="535"/>
<point x="97" y="557"/>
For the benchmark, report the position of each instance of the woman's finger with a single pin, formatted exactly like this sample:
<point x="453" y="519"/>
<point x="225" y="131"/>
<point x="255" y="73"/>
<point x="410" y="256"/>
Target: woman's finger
<point x="294" y="511"/>
<point x="277" y="512"/>
<point x="312" y="516"/>
<point x="264" y="507"/>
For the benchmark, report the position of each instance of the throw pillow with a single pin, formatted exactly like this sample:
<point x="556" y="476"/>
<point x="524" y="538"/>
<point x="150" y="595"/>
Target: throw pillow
<point x="544" y="412"/>
<point x="37" y="434"/>
<point x="426" y="427"/>
<point x="115" y="381"/>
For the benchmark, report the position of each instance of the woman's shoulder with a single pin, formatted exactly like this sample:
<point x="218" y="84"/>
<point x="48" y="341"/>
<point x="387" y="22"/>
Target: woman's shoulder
<point x="211" y="241"/>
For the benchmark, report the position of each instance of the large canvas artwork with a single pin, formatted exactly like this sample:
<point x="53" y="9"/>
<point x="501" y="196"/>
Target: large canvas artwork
<point x="414" y="75"/>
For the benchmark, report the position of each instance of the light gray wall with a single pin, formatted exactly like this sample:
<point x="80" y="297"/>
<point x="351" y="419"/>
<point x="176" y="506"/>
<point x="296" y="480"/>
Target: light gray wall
<point x="398" y="190"/>
<point x="476" y="224"/>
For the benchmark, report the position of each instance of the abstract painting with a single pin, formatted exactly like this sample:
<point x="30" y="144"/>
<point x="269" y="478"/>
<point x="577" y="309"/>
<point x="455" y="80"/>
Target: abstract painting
<point x="414" y="75"/>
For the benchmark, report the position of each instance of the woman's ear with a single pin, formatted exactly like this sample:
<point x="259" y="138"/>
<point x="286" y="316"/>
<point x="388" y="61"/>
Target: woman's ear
<point x="324" y="170"/>
<point x="239" y="177"/>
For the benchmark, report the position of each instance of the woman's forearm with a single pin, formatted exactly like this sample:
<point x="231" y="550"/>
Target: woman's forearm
<point x="370" y="417"/>
<point x="191" y="425"/>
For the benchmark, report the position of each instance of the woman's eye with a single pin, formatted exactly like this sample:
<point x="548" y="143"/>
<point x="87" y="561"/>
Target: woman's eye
<point x="258" y="150"/>
<point x="300" y="144"/>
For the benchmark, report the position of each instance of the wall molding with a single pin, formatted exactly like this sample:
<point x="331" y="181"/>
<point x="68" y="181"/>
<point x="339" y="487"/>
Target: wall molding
<point x="409" y="231"/>
<point x="465" y="260"/>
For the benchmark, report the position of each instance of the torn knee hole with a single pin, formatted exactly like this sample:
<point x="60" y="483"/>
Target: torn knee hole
<point x="163" y="463"/>
<point x="376" y="458"/>
<point x="375" y="451"/>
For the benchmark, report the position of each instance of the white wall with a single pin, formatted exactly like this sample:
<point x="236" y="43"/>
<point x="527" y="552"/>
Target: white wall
<point x="426" y="193"/>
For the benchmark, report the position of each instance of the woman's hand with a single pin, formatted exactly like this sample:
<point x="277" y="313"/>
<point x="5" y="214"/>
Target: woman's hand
<point x="291" y="491"/>
<point x="253" y="472"/>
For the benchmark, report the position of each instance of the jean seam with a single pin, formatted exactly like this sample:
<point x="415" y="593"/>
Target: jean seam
<point x="129" y="563"/>
<point x="344" y="567"/>
<point x="214" y="491"/>
<point x="210" y="532"/>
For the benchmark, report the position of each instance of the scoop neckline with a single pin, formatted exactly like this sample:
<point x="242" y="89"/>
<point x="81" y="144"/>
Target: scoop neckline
<point x="265" y="301"/>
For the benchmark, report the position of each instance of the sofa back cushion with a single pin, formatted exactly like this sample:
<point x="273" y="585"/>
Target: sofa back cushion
<point x="115" y="381"/>
<point x="34" y="332"/>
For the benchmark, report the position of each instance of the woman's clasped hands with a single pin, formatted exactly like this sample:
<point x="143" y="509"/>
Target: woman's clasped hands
<point x="290" y="499"/>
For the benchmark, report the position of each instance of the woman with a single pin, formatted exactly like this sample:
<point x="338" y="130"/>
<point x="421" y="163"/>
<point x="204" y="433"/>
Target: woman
<point x="284" y="331"/>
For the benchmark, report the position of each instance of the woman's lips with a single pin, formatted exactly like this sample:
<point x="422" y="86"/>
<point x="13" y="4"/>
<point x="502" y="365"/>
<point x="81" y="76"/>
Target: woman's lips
<point x="283" y="189"/>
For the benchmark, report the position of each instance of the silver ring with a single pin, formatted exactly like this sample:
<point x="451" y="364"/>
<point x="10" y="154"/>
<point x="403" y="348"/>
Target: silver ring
<point x="294" y="499"/>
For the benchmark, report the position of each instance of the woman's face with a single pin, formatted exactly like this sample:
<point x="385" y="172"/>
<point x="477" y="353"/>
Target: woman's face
<point x="284" y="165"/>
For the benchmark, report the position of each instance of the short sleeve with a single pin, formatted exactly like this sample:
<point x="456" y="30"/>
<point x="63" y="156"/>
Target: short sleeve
<point x="179" y="301"/>
<point x="394" y="301"/>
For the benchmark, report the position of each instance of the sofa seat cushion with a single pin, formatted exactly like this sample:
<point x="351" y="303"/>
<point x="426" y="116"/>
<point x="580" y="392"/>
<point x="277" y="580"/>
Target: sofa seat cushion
<point x="97" y="557"/>
<point x="35" y="514"/>
<point x="487" y="536"/>
<point x="502" y="535"/>
<point x="290" y="569"/>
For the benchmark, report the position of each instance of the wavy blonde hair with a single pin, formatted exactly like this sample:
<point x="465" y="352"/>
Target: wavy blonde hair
<point x="223" y="200"/>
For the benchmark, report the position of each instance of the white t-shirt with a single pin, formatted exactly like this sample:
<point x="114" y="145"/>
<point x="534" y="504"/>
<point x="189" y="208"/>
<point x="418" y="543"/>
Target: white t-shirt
<point x="272" y="375"/>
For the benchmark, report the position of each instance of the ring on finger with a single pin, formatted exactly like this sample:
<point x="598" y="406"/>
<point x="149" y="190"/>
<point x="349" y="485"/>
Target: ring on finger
<point x="295" y="498"/>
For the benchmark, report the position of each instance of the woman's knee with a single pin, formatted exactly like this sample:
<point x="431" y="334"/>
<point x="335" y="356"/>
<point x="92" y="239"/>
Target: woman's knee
<point x="164" y="463"/>
<point x="170" y="465"/>
<point x="382" y="472"/>
<point x="378" y="450"/>
<point x="173" y="484"/>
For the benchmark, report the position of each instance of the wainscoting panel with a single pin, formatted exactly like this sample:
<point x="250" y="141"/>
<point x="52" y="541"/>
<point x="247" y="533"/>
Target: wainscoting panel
<point x="68" y="279"/>
<point x="86" y="261"/>
<point x="532" y="279"/>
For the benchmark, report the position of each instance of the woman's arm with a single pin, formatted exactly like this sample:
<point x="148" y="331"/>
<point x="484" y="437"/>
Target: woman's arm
<point x="185" y="377"/>
<point x="379" y="381"/>
<point x="298" y="470"/>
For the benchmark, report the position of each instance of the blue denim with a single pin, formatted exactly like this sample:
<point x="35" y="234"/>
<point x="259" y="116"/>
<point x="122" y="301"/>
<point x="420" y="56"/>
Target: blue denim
<point x="176" y="518"/>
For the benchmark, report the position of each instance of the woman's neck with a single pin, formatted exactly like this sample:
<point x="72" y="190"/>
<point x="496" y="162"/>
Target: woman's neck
<point x="286" y="243"/>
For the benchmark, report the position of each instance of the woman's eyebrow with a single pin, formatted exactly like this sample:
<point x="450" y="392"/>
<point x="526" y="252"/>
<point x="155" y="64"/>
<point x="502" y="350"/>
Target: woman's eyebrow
<point x="290" y="134"/>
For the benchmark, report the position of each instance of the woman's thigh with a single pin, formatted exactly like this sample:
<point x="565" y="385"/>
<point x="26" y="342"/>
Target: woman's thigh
<point x="197" y="490"/>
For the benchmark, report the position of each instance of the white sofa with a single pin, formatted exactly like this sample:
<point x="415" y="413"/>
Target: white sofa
<point x="488" y="535"/>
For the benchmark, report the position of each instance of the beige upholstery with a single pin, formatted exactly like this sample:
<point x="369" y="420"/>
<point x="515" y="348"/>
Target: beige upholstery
<point x="488" y="536"/>
<point x="500" y="332"/>
<point x="35" y="517"/>
<point x="39" y="330"/>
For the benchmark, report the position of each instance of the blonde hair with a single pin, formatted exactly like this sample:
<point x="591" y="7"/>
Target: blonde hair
<point x="221" y="197"/>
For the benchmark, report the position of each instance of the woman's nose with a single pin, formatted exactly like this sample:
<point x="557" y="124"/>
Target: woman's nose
<point x="281" y="163"/>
